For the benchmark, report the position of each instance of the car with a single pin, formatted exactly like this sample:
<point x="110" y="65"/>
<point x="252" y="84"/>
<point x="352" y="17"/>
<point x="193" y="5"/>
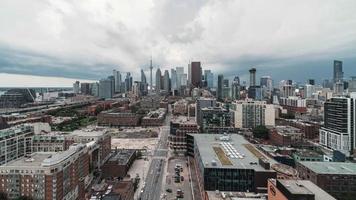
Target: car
<point x="169" y="190"/>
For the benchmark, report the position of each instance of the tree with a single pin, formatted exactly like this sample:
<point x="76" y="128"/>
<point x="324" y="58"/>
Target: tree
<point x="24" y="198"/>
<point x="260" y="132"/>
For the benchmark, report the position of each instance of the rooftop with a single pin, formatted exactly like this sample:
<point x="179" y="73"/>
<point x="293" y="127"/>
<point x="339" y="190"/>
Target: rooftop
<point x="35" y="160"/>
<point x="304" y="187"/>
<point x="288" y="130"/>
<point x="121" y="156"/>
<point x="89" y="132"/>
<point x="228" y="151"/>
<point x="331" y="167"/>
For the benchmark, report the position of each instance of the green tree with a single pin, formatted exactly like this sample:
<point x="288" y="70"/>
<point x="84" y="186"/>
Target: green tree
<point x="260" y="132"/>
<point x="3" y="196"/>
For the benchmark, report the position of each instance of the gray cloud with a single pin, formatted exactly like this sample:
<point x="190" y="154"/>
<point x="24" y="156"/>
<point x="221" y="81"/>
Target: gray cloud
<point x="87" y="39"/>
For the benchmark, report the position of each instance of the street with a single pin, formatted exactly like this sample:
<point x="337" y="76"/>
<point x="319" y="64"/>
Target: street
<point x="153" y="181"/>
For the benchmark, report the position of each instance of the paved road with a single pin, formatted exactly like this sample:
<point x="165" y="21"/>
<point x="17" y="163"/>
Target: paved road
<point x="153" y="182"/>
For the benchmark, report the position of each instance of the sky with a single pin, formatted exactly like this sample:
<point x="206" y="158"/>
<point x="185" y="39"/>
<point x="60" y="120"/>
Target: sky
<point x="67" y="40"/>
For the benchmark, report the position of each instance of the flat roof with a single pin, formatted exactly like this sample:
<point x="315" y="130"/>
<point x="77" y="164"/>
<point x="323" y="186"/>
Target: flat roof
<point x="229" y="151"/>
<point x="35" y="160"/>
<point x="331" y="167"/>
<point x="89" y="132"/>
<point x="305" y="187"/>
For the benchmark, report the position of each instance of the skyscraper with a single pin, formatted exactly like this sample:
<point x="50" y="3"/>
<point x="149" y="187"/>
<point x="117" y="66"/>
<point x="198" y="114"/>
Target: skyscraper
<point x="189" y="74"/>
<point x="151" y="67"/>
<point x="158" y="80"/>
<point x="105" y="88"/>
<point x="235" y="88"/>
<point x="174" y="80"/>
<point x="338" y="73"/>
<point x="117" y="77"/>
<point x="220" y="87"/>
<point x="76" y="87"/>
<point x="196" y="74"/>
<point x="252" y="77"/>
<point x="266" y="82"/>
<point x="209" y="78"/>
<point x="180" y="73"/>
<point x="143" y="77"/>
<point x="128" y="82"/>
<point x="166" y="81"/>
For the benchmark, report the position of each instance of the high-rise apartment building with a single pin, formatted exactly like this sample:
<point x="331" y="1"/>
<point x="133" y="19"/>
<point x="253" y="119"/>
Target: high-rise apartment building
<point x="174" y="81"/>
<point x="47" y="175"/>
<point x="76" y="87"/>
<point x="338" y="73"/>
<point x="235" y="88"/>
<point x="252" y="77"/>
<point x="85" y="88"/>
<point x="249" y="114"/>
<point x="338" y="132"/>
<point x="15" y="142"/>
<point x="203" y="103"/>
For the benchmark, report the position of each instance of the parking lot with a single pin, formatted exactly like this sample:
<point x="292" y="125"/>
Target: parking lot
<point x="172" y="184"/>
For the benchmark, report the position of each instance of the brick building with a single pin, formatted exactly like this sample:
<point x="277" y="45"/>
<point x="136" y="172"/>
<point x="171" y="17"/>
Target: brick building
<point x="46" y="175"/>
<point x="117" y="119"/>
<point x="285" y="135"/>
<point x="119" y="163"/>
<point x="179" y="128"/>
<point x="336" y="178"/>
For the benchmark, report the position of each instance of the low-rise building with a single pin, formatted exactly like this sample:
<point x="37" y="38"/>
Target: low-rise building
<point x="154" y="118"/>
<point x="308" y="155"/>
<point x="214" y="119"/>
<point x="117" y="119"/>
<point x="295" y="189"/>
<point x="285" y="135"/>
<point x="119" y="163"/>
<point x="336" y="178"/>
<point x="180" y="107"/>
<point x="230" y="163"/>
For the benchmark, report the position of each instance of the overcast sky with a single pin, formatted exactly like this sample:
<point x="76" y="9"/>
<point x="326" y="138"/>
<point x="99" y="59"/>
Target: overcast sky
<point x="86" y="39"/>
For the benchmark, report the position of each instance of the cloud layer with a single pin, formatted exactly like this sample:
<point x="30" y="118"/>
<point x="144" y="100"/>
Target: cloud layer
<point x="88" y="38"/>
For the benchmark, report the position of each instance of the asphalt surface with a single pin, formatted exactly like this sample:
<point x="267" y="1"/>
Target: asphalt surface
<point x="154" y="178"/>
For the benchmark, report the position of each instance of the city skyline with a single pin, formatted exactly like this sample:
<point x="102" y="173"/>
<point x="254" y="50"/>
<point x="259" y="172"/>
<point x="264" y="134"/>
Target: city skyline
<point x="86" y="40"/>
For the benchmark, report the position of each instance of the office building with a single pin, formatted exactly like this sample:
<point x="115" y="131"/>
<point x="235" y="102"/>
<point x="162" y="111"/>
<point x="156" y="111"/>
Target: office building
<point x="249" y="114"/>
<point x="203" y="103"/>
<point x="158" y="80"/>
<point x="117" y="81"/>
<point x="209" y="78"/>
<point x="220" y="87"/>
<point x="128" y="82"/>
<point x="105" y="88"/>
<point x="47" y="175"/>
<point x="229" y="163"/>
<point x="196" y="74"/>
<point x="174" y="81"/>
<point x="336" y="178"/>
<point x="338" y="132"/>
<point x="166" y="81"/>
<point x="311" y="81"/>
<point x="252" y="77"/>
<point x="180" y="74"/>
<point x="295" y="189"/>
